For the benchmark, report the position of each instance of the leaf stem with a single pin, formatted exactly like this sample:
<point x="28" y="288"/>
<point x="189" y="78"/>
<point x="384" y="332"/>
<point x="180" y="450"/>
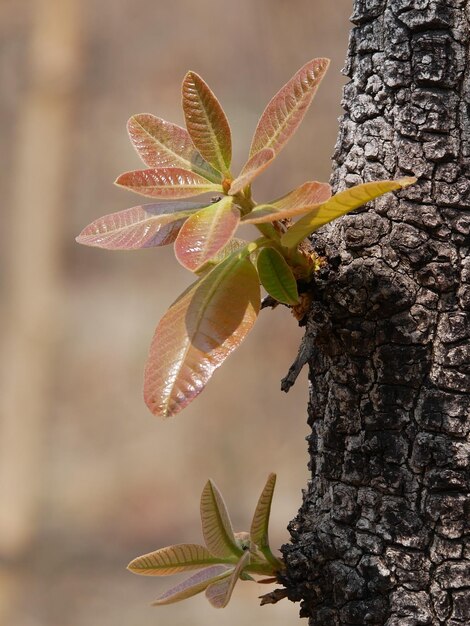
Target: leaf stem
<point x="270" y="234"/>
<point x="274" y="561"/>
<point x="245" y="201"/>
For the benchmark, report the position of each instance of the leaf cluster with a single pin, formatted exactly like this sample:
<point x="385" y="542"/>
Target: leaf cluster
<point x="226" y="557"/>
<point x="211" y="318"/>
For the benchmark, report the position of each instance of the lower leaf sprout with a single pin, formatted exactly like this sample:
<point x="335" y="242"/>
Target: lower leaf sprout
<point x="226" y="557"/>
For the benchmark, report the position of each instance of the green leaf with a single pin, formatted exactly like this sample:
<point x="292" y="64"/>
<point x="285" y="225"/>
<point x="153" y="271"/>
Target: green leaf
<point x="194" y="584"/>
<point x="205" y="233"/>
<point x="252" y="168"/>
<point x="277" y="277"/>
<point x="216" y="525"/>
<point x="199" y="331"/>
<point x="339" y="205"/>
<point x="286" y="110"/>
<point x="166" y="182"/>
<point x="220" y="592"/>
<point x="206" y="123"/>
<point x="173" y="559"/>
<point x="142" y="226"/>
<point x="162" y="144"/>
<point x="260" y="522"/>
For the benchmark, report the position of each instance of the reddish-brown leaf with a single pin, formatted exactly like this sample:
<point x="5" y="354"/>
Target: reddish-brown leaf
<point x="142" y="226"/>
<point x="205" y="233"/>
<point x="297" y="202"/>
<point x="286" y="110"/>
<point x="252" y="168"/>
<point x="222" y="254"/>
<point x="309" y="194"/>
<point x="166" y="182"/>
<point x="207" y="123"/>
<point x="162" y="144"/>
<point x="198" y="333"/>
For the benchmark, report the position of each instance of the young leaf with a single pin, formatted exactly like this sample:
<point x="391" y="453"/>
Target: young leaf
<point x="166" y="182"/>
<point x="233" y="245"/>
<point x="252" y="168"/>
<point x="260" y="523"/>
<point x="194" y="584"/>
<point x="173" y="559"/>
<point x="297" y="202"/>
<point x="220" y="592"/>
<point x="198" y="333"/>
<point x="243" y="540"/>
<point x="286" y="110"/>
<point x="340" y="204"/>
<point x="300" y="199"/>
<point x="205" y="233"/>
<point x="216" y="526"/>
<point x="206" y="123"/>
<point x="277" y="277"/>
<point x="162" y="144"/>
<point x="142" y="226"/>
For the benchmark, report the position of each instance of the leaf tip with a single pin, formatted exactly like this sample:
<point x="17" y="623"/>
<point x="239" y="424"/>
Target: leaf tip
<point x="118" y="181"/>
<point x="321" y="63"/>
<point x="190" y="75"/>
<point x="157" y="410"/>
<point x="130" y="121"/>
<point x="210" y="484"/>
<point x="155" y="405"/>
<point x="406" y="181"/>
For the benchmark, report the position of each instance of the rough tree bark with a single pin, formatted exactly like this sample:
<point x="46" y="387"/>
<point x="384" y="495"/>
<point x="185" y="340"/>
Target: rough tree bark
<point x="383" y="533"/>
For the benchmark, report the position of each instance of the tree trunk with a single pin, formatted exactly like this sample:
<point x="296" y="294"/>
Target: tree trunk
<point x="383" y="533"/>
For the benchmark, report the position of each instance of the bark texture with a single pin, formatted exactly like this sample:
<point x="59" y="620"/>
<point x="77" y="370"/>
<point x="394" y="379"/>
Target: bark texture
<point x="383" y="533"/>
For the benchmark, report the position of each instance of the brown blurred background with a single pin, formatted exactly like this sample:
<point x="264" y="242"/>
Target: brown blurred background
<point x="88" y="478"/>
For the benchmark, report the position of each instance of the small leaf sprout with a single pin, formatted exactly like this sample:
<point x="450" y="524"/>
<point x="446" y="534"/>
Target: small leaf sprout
<point x="226" y="558"/>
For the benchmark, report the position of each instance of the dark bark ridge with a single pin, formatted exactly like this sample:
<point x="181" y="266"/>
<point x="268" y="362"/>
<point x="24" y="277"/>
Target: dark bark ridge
<point x="383" y="533"/>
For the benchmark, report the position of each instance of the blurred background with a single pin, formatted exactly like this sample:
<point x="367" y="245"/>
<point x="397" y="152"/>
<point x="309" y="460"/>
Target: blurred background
<point x="88" y="478"/>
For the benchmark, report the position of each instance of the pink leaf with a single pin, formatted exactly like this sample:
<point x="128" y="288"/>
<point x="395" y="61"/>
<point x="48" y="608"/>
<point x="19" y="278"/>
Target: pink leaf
<point x="286" y="110"/>
<point x="220" y="592"/>
<point x="142" y="226"/>
<point x="207" y="123"/>
<point x="199" y="331"/>
<point x="162" y="144"/>
<point x="205" y="233"/>
<point x="297" y="202"/>
<point x="252" y="168"/>
<point x="309" y="194"/>
<point x="194" y="584"/>
<point x="166" y="182"/>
